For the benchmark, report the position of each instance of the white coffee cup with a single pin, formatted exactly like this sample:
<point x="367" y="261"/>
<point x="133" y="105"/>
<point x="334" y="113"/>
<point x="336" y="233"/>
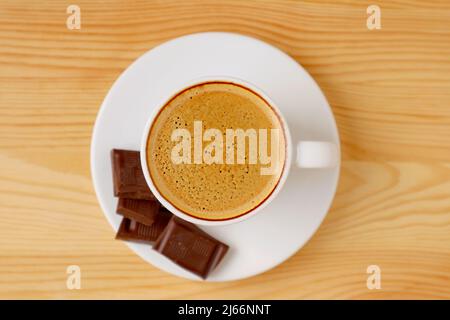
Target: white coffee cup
<point x="308" y="154"/>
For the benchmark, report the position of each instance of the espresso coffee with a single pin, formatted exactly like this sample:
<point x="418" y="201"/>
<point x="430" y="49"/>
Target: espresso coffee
<point x="216" y="151"/>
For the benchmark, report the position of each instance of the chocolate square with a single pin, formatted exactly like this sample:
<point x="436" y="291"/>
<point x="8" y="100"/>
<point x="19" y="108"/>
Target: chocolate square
<point x="190" y="247"/>
<point x="128" y="178"/>
<point x="142" y="211"/>
<point x="132" y="230"/>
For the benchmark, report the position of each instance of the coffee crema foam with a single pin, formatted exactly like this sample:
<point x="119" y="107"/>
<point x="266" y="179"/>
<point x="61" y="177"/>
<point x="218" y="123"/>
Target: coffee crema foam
<point x="213" y="191"/>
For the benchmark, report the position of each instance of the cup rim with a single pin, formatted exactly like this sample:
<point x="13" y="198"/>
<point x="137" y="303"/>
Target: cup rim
<point x="246" y="215"/>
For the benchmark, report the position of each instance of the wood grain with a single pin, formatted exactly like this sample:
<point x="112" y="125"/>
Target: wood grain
<point x="389" y="90"/>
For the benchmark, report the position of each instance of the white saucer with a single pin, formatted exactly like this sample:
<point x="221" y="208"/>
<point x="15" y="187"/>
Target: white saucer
<point x="285" y="225"/>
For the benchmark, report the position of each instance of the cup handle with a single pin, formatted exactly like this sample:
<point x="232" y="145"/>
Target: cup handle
<point x="317" y="154"/>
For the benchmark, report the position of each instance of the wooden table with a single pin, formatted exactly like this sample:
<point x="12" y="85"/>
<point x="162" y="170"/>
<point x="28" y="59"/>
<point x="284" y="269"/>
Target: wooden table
<point x="390" y="93"/>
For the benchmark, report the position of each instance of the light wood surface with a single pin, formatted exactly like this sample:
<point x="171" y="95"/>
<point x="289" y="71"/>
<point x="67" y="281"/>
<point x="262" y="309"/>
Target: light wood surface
<point x="389" y="90"/>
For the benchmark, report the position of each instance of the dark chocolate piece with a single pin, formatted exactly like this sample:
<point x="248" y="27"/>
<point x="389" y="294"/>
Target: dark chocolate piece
<point x="132" y="230"/>
<point x="190" y="247"/>
<point x="128" y="178"/>
<point x="142" y="211"/>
